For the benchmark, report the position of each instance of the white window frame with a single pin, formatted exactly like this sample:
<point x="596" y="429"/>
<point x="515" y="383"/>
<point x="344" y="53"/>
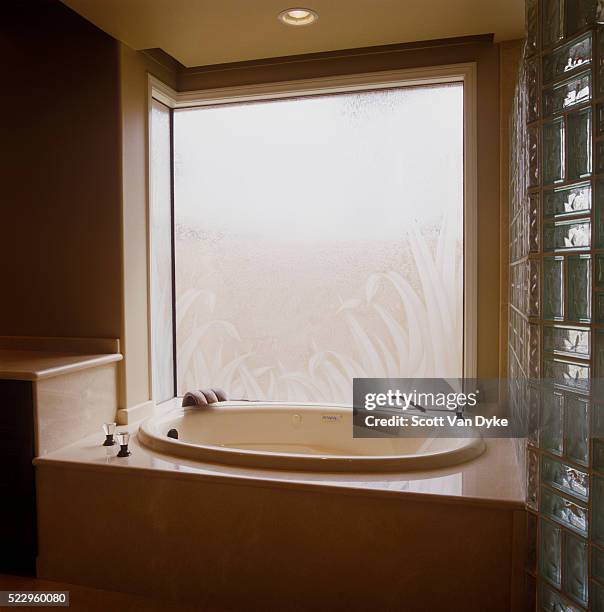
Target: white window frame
<point x="454" y="73"/>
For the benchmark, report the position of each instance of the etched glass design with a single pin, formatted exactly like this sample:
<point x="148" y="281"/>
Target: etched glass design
<point x="277" y="297"/>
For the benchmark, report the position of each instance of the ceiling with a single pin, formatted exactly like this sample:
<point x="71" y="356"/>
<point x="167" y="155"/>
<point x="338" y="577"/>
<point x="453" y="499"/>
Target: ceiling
<point x="203" y="32"/>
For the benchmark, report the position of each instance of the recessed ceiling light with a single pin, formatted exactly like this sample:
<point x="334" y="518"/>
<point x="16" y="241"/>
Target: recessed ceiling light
<point x="298" y="16"/>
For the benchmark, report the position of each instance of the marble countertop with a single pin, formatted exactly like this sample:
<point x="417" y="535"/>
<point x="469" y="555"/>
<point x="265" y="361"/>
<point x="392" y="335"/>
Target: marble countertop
<point x="36" y="365"/>
<point x="491" y="479"/>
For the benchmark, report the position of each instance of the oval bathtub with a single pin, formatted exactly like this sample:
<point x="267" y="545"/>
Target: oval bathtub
<point x="306" y="437"/>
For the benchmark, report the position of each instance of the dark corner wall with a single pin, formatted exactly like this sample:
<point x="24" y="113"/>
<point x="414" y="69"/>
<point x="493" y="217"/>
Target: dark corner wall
<point x="60" y="174"/>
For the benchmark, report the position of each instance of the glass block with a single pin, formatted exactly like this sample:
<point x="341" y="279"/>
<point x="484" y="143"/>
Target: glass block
<point x="567" y="94"/>
<point x="579" y="144"/>
<point x="534" y="352"/>
<point x="579" y="15"/>
<point x="531" y="540"/>
<point x="532" y="479"/>
<point x="551" y="433"/>
<point x="567" y="200"/>
<point x="550" y="601"/>
<point x="566" y="340"/>
<point x="599" y="366"/>
<point x="565" y="477"/>
<point x="597" y="597"/>
<point x="552" y="22"/>
<point x="599" y="314"/>
<point x="598" y="454"/>
<point x="600" y="156"/>
<point x="569" y="57"/>
<point x="597" y="564"/>
<point x="532" y="26"/>
<point x="579" y="288"/>
<point x="533" y="156"/>
<point x="532" y="87"/>
<point x="576" y="429"/>
<point x="599" y="271"/>
<point x="550" y="551"/>
<point x="564" y="511"/>
<point x="567" y="235"/>
<point x="575" y="567"/>
<point x="597" y="511"/>
<point x="599" y="214"/>
<point x="600" y="119"/>
<point x="534" y="225"/>
<point x="534" y="298"/>
<point x="553" y="152"/>
<point x="553" y="288"/>
<point x="533" y="414"/>
<point x="570" y="374"/>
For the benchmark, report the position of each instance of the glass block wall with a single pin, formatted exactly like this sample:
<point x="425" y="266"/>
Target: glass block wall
<point x="556" y="324"/>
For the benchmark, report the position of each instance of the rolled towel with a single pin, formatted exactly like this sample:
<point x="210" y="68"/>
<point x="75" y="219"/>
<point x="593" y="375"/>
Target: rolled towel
<point x="203" y="397"/>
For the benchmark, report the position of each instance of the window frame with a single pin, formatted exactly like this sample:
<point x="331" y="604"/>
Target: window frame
<point x="434" y="75"/>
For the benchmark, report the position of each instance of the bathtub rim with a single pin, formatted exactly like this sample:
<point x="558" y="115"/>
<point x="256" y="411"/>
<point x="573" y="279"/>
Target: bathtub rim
<point x="472" y="448"/>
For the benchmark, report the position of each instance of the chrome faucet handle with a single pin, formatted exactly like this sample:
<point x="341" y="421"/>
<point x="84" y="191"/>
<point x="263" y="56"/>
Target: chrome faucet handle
<point x="109" y="430"/>
<point x="123" y="437"/>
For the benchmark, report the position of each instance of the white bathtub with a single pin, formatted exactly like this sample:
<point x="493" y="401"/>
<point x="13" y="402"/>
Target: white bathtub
<point x="305" y="437"/>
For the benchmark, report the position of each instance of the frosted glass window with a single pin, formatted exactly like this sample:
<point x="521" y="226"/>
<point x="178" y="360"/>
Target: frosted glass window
<point x="161" y="254"/>
<point x="319" y="239"/>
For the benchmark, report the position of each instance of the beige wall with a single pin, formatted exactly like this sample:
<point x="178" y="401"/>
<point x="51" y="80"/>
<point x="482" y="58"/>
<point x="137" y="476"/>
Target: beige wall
<point x="61" y="210"/>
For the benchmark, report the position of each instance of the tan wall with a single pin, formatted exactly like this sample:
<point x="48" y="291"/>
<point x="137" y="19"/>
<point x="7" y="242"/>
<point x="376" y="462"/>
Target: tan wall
<point x="60" y="244"/>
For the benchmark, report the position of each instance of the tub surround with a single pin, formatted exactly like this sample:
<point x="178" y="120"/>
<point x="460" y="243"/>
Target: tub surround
<point x="491" y="479"/>
<point x="194" y="529"/>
